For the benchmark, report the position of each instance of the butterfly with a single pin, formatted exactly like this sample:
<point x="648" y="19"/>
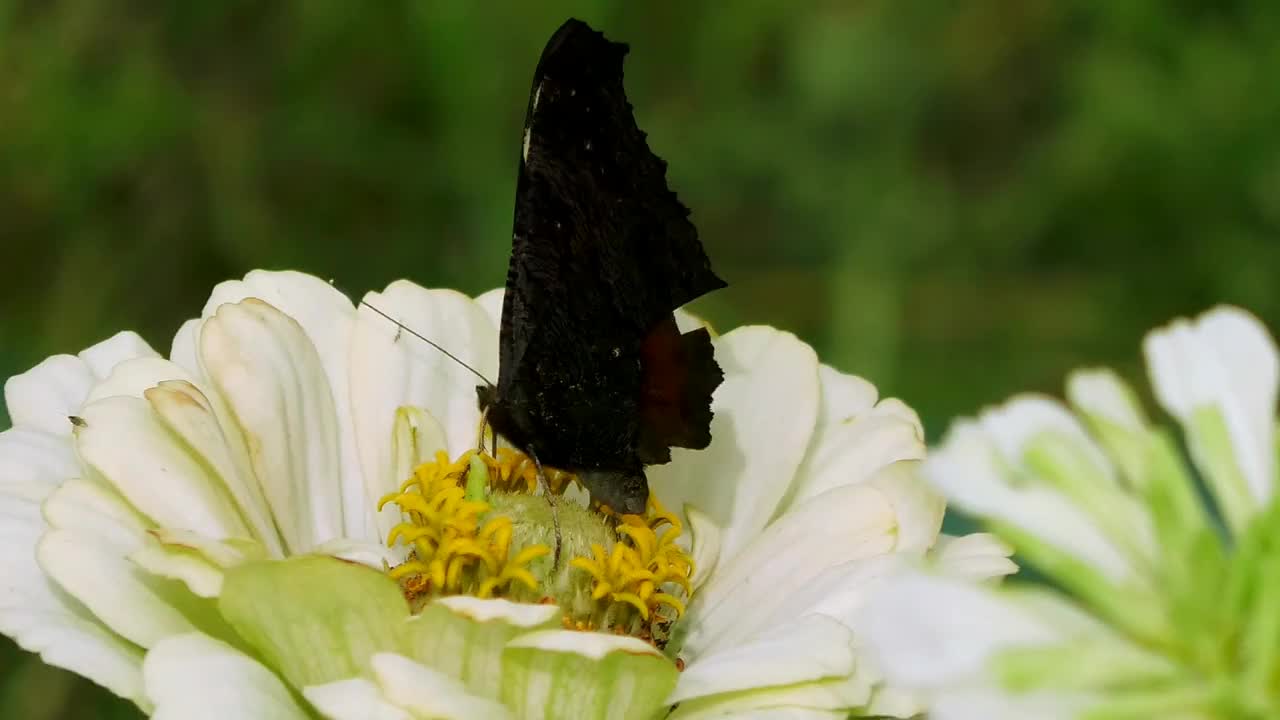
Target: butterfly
<point x="594" y="376"/>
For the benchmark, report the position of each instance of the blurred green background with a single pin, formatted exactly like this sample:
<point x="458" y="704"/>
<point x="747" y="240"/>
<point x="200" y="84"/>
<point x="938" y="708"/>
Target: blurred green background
<point x="956" y="200"/>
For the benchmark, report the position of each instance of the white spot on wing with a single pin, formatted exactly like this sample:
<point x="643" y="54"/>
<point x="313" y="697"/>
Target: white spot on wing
<point x="537" y="95"/>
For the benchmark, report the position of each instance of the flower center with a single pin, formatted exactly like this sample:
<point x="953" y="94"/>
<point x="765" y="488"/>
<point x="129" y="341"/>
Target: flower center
<point x="475" y="527"/>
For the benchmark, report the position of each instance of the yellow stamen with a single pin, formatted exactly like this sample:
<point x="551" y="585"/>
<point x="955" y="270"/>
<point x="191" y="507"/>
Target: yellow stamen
<point x="637" y="576"/>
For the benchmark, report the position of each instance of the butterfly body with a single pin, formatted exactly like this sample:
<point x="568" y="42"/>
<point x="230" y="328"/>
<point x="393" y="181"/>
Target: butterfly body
<point x="594" y="377"/>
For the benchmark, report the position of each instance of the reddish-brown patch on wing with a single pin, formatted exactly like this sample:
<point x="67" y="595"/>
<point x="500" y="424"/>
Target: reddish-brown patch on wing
<point x="679" y="374"/>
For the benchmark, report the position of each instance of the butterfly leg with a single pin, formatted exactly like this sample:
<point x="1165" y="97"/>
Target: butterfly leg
<point x="551" y="500"/>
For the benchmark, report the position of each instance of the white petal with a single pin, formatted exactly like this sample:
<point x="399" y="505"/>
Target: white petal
<point x="805" y="650"/>
<point x="215" y="439"/>
<point x="776" y="713"/>
<point x="39" y="616"/>
<point x="194" y="677"/>
<point x="33" y="463"/>
<point x="185" y="350"/>
<point x="45" y="395"/>
<point x="93" y="533"/>
<point x="854" y="448"/>
<point x="686" y="321"/>
<point x="764" y="417"/>
<point x="779" y="567"/>
<point x="1101" y="393"/>
<point x="391" y="369"/>
<point x="416" y="437"/>
<point x="122" y="596"/>
<point x="1224" y="360"/>
<point x="799" y="702"/>
<point x="126" y="443"/>
<point x="132" y="378"/>
<point x="370" y="554"/>
<point x="524" y="615"/>
<point x="975" y="557"/>
<point x="104" y="356"/>
<point x="917" y="506"/>
<point x="969" y="470"/>
<point x="844" y="396"/>
<point x="328" y="319"/>
<point x="199" y="562"/>
<point x="491" y="303"/>
<point x="212" y="437"/>
<point x="355" y="699"/>
<point x="271" y="376"/>
<point x="591" y="645"/>
<point x="42" y="397"/>
<point x="705" y="544"/>
<point x="428" y="693"/>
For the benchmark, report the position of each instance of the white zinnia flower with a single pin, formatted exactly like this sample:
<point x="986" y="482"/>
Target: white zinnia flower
<point x="169" y="527"/>
<point x="1160" y="606"/>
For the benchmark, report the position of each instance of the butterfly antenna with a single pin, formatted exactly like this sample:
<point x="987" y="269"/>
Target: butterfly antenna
<point x="428" y="341"/>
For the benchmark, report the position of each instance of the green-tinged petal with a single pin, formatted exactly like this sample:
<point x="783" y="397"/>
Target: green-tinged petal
<point x="194" y="677"/>
<point x="1219" y="375"/>
<point x="970" y="471"/>
<point x="765" y="411"/>
<point x="1061" y="462"/>
<point x="806" y="650"/>
<point x="1111" y="410"/>
<point x="958" y="626"/>
<point x="556" y="674"/>
<point x="353" y="699"/>
<point x="314" y="619"/>
<point x="993" y="704"/>
<point x="1043" y="444"/>
<point x="463" y="637"/>
<point x="975" y="557"/>
<point x="1134" y="605"/>
<point x="428" y="693"/>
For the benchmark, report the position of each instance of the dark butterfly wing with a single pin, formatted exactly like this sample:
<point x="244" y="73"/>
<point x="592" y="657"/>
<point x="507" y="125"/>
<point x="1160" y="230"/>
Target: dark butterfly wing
<point x="602" y="253"/>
